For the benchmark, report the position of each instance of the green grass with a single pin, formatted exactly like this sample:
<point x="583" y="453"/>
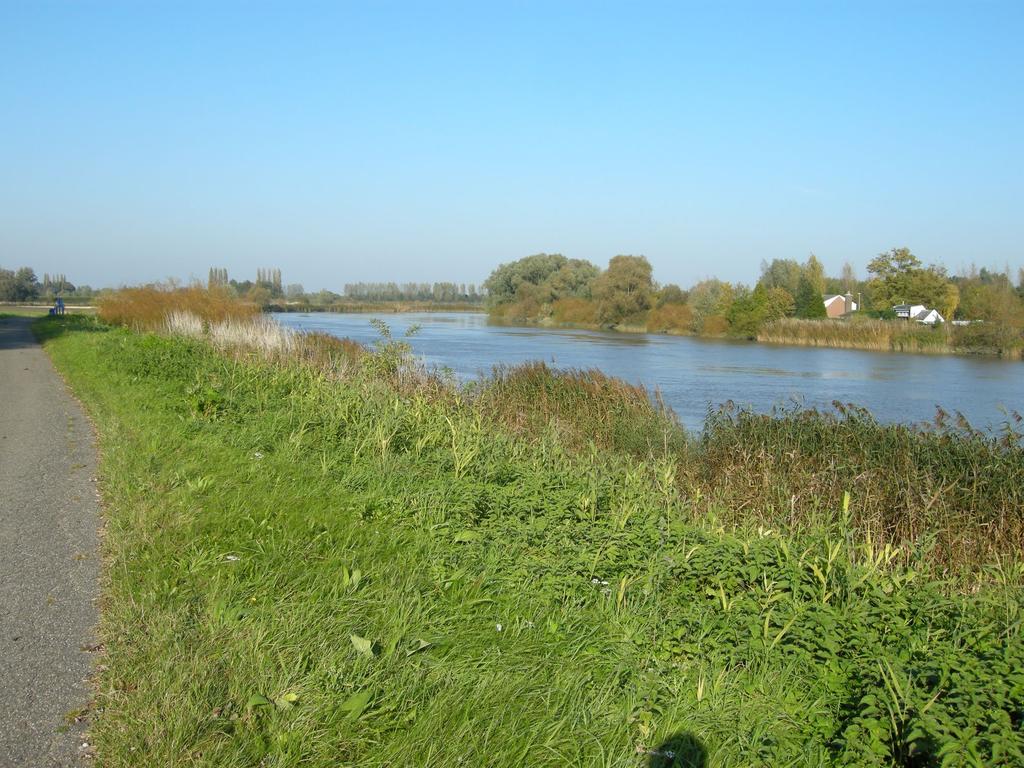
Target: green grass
<point x="301" y="570"/>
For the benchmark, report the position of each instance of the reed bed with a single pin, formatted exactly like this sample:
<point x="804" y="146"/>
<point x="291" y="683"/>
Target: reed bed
<point x="1003" y="340"/>
<point x="946" y="488"/>
<point x="227" y="323"/>
<point x="584" y="407"/>
<point x="259" y="334"/>
<point x="148" y="308"/>
<point x="879" y="335"/>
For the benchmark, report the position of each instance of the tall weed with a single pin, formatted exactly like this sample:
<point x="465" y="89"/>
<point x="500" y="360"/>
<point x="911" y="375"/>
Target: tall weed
<point x="320" y="571"/>
<point x="959" y="489"/>
<point x="148" y="307"/>
<point x="583" y="407"/>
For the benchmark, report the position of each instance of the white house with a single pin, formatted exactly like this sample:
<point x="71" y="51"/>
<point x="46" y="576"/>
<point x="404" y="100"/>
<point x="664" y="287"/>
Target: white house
<point x="918" y="312"/>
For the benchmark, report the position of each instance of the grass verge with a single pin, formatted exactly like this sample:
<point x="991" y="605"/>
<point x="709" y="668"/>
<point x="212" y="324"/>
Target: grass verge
<point x="306" y="569"/>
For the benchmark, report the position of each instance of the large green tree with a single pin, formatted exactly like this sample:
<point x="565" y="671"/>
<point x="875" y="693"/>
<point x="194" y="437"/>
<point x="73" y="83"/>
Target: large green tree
<point x="810" y="291"/>
<point x="899" y="278"/>
<point x="990" y="296"/>
<point x="505" y="281"/>
<point x="624" y="290"/>
<point x="710" y="299"/>
<point x="574" y="279"/>
<point x="762" y="305"/>
<point x="809" y="301"/>
<point x="671" y="294"/>
<point x="781" y="273"/>
<point x="20" y="285"/>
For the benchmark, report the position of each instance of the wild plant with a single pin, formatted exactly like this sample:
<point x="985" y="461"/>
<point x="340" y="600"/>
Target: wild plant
<point x="344" y="570"/>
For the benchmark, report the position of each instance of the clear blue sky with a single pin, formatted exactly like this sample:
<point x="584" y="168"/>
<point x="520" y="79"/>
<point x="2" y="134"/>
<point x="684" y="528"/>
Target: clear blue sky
<point x="431" y="141"/>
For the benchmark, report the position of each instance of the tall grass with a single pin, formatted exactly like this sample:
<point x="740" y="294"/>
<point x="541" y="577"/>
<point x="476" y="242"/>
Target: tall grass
<point x="230" y="324"/>
<point x="584" y="407"/>
<point x="958" y="490"/>
<point x="898" y="336"/>
<point x="318" y="570"/>
<point x="1004" y="340"/>
<point x="880" y="335"/>
<point x="951" y="494"/>
<point x="948" y="489"/>
<point x="148" y="307"/>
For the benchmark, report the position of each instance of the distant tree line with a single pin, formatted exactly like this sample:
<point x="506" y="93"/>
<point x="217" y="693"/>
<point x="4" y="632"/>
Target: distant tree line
<point x="268" y="288"/>
<point x="23" y="285"/>
<point x="448" y="293"/>
<point x="552" y="288"/>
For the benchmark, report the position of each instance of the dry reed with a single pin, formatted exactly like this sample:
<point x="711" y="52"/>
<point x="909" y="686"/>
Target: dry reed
<point x="147" y="308"/>
<point x="879" y="335"/>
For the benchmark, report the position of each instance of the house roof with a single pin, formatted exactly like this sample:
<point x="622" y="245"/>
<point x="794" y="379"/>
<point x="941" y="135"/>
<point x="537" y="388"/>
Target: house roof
<point x="830" y="297"/>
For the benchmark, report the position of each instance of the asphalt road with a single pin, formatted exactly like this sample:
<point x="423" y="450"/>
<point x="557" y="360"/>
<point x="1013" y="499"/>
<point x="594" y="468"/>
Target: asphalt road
<point x="49" y="562"/>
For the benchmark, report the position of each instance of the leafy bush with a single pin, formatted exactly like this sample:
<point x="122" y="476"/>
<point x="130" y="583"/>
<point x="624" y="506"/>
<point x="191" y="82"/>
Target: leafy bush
<point x="574" y="310"/>
<point x="670" y="318"/>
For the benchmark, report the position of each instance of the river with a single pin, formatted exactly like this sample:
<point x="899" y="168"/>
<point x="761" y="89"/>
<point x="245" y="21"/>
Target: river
<point x="694" y="374"/>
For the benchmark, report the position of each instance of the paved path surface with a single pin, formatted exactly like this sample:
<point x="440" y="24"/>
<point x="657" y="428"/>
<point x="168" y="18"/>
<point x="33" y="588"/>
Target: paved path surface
<point x="48" y="557"/>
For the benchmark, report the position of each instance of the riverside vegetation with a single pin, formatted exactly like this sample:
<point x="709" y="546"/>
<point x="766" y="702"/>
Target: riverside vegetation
<point x="785" y="306"/>
<point x="318" y="554"/>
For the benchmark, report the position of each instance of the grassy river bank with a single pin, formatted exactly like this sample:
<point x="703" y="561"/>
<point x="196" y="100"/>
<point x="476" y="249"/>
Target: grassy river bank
<point x="316" y="555"/>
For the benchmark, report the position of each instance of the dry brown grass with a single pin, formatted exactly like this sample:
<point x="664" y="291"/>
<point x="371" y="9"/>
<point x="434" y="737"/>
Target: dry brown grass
<point x="148" y="308"/>
<point x="670" y="318"/>
<point x="263" y="337"/>
<point x="575" y="311"/>
<point x="228" y="323"/>
<point x="881" y="335"/>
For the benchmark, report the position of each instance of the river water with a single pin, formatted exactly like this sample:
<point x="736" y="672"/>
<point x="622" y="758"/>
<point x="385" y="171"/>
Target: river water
<point x="695" y="374"/>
